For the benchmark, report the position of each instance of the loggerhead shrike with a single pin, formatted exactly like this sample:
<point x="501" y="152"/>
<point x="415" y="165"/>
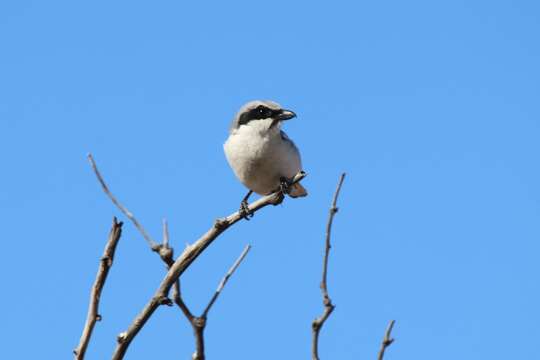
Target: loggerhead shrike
<point x="261" y="155"/>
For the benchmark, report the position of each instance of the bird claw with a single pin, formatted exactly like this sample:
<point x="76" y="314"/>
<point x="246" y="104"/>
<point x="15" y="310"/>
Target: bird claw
<point x="245" y="212"/>
<point x="284" y="185"/>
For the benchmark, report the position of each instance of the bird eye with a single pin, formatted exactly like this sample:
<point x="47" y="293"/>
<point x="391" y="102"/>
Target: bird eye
<point x="262" y="110"/>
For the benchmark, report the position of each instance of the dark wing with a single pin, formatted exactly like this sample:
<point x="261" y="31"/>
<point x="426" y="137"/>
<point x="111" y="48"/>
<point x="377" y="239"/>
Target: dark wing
<point x="296" y="190"/>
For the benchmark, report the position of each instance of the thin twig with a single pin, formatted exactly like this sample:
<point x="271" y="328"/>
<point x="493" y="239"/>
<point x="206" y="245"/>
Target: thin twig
<point x="153" y="245"/>
<point x="225" y="279"/>
<point x="318" y="323"/>
<point x="199" y="322"/>
<point x="93" y="309"/>
<point x="387" y="340"/>
<point x="165" y="242"/>
<point x="165" y="252"/>
<point x="183" y="262"/>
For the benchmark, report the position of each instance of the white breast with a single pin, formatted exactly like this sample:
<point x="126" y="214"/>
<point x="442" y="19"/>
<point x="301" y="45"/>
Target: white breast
<point x="259" y="156"/>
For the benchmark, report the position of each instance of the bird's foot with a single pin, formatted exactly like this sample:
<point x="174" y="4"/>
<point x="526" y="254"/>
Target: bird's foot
<point x="284" y="185"/>
<point x="245" y="212"/>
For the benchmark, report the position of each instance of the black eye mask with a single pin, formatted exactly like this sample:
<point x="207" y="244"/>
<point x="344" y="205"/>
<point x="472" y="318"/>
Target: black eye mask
<point x="258" y="113"/>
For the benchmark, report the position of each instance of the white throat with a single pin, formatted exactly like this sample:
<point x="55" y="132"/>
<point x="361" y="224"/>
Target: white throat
<point x="262" y="128"/>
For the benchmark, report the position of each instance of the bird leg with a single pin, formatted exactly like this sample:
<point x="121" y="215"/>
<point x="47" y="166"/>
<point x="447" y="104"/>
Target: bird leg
<point x="244" y="208"/>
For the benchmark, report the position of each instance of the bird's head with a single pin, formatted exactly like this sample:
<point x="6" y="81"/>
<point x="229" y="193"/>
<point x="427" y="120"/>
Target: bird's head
<point x="254" y="111"/>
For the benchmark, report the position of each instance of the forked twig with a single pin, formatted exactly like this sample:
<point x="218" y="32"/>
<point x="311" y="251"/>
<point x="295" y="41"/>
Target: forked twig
<point x="165" y="252"/>
<point x="327" y="302"/>
<point x="198" y="323"/>
<point x="93" y="308"/>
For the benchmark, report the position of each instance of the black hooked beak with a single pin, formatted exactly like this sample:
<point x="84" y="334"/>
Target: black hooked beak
<point x="284" y="115"/>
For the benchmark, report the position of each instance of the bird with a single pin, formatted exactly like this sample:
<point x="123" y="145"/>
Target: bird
<point x="260" y="154"/>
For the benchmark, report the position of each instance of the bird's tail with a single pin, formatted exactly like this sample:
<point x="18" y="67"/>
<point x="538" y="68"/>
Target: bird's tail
<point x="297" y="190"/>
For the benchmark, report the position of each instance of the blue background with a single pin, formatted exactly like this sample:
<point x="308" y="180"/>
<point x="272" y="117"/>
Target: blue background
<point x="430" y="107"/>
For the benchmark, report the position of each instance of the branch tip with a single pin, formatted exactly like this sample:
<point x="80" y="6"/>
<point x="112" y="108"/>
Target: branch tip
<point x="387" y="339"/>
<point x="119" y="205"/>
<point x="105" y="264"/>
<point x="165" y="233"/>
<point x="327" y="302"/>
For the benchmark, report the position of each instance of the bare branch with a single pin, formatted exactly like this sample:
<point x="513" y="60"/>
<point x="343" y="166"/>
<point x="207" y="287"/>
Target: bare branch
<point x="164" y="251"/>
<point x="184" y="261"/>
<point x="318" y="323"/>
<point x="387" y="340"/>
<point x="333" y="210"/>
<point x="199" y="322"/>
<point x="153" y="245"/>
<point x="182" y="305"/>
<point x="93" y="309"/>
<point x="177" y="268"/>
<point x="177" y="298"/>
<point x="225" y="279"/>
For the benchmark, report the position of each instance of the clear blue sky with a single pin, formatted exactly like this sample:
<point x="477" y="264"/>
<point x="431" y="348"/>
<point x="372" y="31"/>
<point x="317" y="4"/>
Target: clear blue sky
<point x="432" y="108"/>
